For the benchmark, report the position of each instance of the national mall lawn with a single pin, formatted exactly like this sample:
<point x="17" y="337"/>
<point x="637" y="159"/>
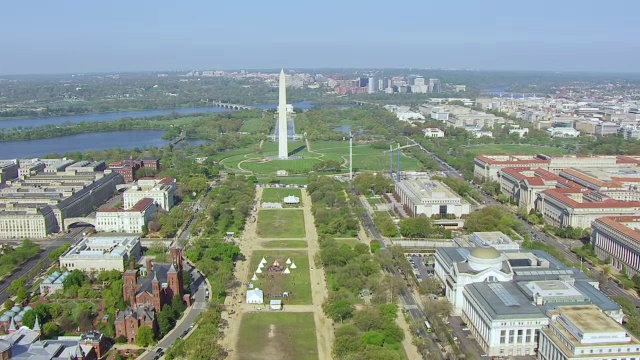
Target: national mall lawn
<point x="277" y="335"/>
<point x="281" y="223"/>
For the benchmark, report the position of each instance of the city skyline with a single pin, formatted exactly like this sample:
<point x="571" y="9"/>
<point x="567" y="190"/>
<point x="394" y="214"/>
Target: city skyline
<point x="149" y="36"/>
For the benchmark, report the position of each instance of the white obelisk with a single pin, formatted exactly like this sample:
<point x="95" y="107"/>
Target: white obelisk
<point x="283" y="151"/>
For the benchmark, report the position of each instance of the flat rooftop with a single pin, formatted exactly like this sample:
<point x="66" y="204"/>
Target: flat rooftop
<point x="589" y="319"/>
<point x="424" y="190"/>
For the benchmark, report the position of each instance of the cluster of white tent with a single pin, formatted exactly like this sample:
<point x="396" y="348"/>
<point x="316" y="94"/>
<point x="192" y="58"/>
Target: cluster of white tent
<point x="255" y="296"/>
<point x="263" y="262"/>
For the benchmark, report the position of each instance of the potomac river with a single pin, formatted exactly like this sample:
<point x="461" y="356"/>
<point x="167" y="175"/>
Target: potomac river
<point x="100" y="140"/>
<point x="111" y="116"/>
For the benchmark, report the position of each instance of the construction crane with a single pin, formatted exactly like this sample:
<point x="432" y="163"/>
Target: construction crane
<point x="390" y="151"/>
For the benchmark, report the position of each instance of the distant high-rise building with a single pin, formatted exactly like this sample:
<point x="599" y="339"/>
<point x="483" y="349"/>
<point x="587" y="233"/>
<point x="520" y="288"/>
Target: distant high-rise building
<point x="363" y="82"/>
<point x="418" y="81"/>
<point x="373" y="85"/>
<point x="435" y="86"/>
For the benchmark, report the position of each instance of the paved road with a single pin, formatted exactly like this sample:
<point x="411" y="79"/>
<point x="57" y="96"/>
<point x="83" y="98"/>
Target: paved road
<point x="47" y="247"/>
<point x="611" y="289"/>
<point x="185" y="325"/>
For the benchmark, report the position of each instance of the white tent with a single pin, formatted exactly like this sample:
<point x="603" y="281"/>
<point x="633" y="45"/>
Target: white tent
<point x="255" y="296"/>
<point x="263" y="261"/>
<point x="291" y="199"/>
<point x="293" y="265"/>
<point x="288" y="261"/>
<point x="259" y="271"/>
<point x="254" y="278"/>
<point x="286" y="271"/>
<point x="260" y="266"/>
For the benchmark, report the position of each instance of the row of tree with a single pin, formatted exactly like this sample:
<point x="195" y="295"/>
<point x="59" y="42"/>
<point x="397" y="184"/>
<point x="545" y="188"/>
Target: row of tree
<point x="331" y="209"/>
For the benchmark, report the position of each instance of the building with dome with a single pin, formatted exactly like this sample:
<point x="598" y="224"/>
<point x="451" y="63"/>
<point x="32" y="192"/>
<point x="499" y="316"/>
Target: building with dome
<point x="505" y="296"/>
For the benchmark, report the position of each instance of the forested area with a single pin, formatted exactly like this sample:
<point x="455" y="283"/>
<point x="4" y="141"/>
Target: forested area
<point x="367" y="123"/>
<point x="369" y="332"/>
<point x="40" y="97"/>
<point x="492" y="218"/>
<point x="227" y="207"/>
<point x="333" y="215"/>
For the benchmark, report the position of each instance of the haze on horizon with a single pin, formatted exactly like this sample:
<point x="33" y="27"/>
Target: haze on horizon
<point x="75" y="36"/>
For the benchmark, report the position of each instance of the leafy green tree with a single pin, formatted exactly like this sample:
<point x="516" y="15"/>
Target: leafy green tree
<point x="166" y="320"/>
<point x="198" y="185"/>
<point x="416" y="227"/>
<point x="74" y="279"/>
<point x="29" y="318"/>
<point x="338" y="309"/>
<point x="145" y="336"/>
<point x="50" y="330"/>
<point x="177" y="306"/>
<point x="373" y="338"/>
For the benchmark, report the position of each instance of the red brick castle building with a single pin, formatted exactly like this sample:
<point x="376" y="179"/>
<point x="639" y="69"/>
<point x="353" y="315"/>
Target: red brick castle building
<point x="147" y="290"/>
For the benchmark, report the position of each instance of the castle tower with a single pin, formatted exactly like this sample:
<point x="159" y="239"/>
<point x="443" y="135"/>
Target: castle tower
<point x="173" y="283"/>
<point x="155" y="288"/>
<point x="283" y="151"/>
<point x="176" y="260"/>
<point x="130" y="286"/>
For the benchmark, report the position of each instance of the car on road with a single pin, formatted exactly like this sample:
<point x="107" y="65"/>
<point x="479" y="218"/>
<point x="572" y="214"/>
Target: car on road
<point x="159" y="350"/>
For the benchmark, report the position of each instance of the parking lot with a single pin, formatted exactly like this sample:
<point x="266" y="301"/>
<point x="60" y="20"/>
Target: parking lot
<point x="420" y="268"/>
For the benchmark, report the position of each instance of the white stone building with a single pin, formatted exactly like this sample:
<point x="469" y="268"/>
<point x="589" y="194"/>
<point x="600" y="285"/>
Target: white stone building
<point x="617" y="239"/>
<point x="432" y="131"/>
<point x="126" y="221"/>
<point x="430" y="198"/>
<point x="162" y="191"/>
<point x="584" y="332"/>
<point x="505" y="297"/>
<point x="101" y="253"/>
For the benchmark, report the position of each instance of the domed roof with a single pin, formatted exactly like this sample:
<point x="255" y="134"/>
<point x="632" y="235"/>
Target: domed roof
<point x="5" y="318"/>
<point x="27" y="308"/>
<point x="10" y="313"/>
<point x="485" y="252"/>
<point x="16" y="309"/>
<point x="18" y="318"/>
<point x="4" y="345"/>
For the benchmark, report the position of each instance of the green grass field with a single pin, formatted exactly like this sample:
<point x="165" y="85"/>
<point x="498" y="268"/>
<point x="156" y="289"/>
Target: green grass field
<point x="365" y="158"/>
<point x="297" y="283"/>
<point x="508" y="149"/>
<point x="291" y="244"/>
<point x="281" y="223"/>
<point x="278" y="194"/>
<point x="277" y="335"/>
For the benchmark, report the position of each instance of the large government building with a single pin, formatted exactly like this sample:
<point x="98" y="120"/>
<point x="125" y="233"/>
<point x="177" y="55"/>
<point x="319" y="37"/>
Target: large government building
<point x="161" y="191"/>
<point x="102" y="253"/>
<point x="506" y="297"/>
<point x="430" y="198"/>
<point x="37" y="203"/>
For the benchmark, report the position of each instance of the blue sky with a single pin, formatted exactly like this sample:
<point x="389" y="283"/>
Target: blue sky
<point x="44" y="36"/>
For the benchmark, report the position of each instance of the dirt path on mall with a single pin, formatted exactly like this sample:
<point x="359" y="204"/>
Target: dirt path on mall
<point x="250" y="242"/>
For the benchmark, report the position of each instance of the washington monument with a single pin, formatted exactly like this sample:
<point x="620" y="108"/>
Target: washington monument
<point x="283" y="151"/>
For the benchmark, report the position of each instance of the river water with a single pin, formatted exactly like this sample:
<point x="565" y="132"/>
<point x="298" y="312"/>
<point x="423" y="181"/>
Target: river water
<point x="111" y="116"/>
<point x="128" y="139"/>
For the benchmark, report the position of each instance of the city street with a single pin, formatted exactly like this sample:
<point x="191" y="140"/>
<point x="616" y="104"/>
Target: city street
<point x="47" y="246"/>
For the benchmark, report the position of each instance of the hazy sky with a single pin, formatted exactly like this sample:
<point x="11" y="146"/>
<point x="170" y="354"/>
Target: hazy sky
<point x="45" y="36"/>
